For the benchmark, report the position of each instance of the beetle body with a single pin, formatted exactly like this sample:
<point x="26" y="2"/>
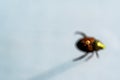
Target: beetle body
<point x="88" y="45"/>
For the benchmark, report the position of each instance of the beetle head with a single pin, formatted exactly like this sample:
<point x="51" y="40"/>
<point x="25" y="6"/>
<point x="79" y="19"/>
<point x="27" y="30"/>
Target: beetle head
<point x="99" y="45"/>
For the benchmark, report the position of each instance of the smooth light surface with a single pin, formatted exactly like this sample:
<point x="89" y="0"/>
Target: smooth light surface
<point x="37" y="39"/>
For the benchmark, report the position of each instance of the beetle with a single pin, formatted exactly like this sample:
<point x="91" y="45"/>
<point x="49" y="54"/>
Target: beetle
<point x="88" y="45"/>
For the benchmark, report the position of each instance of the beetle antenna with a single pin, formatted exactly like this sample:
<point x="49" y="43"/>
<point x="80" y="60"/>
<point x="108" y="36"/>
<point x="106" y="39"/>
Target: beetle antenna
<point x="83" y="34"/>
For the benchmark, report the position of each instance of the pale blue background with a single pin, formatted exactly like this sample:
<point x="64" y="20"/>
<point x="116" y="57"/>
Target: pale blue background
<point x="37" y="39"/>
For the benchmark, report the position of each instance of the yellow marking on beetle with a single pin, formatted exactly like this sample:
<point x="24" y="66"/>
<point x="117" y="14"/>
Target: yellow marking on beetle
<point x="99" y="44"/>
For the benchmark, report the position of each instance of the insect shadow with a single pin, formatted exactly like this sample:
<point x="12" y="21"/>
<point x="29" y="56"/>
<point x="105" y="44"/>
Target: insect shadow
<point x="57" y="70"/>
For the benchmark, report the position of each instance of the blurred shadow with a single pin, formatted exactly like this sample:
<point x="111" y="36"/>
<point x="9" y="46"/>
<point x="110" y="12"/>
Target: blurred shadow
<point x="57" y="70"/>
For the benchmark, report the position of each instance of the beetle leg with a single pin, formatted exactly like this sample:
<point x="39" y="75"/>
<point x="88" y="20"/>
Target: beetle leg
<point x="80" y="57"/>
<point x="97" y="54"/>
<point x="90" y="57"/>
<point x="83" y="34"/>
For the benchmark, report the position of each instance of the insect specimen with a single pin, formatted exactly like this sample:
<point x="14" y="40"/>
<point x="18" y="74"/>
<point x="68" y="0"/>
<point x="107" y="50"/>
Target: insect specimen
<point x="88" y="45"/>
